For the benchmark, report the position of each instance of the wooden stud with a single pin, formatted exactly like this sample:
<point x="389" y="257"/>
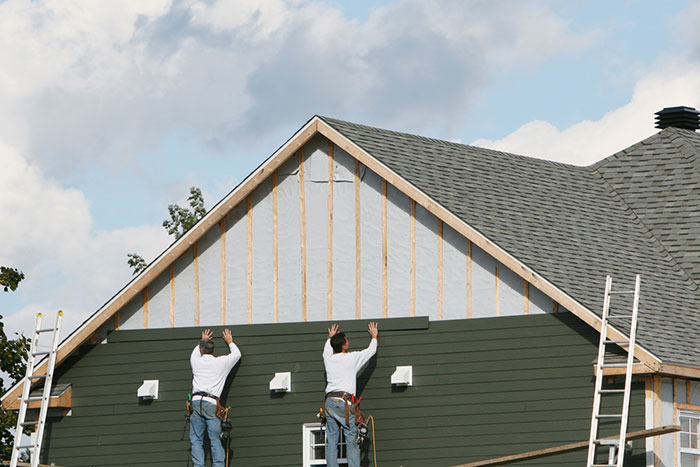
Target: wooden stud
<point x="526" y="295"/>
<point x="687" y="392"/>
<point x="116" y="321"/>
<point x="331" y="170"/>
<point x="675" y="422"/>
<point x="439" y="270"/>
<point x="413" y="258"/>
<point x="250" y="258"/>
<point x="195" y="253"/>
<point x="358" y="245"/>
<point x="657" y="419"/>
<point x="172" y="295"/>
<point x="222" y="226"/>
<point x="498" y="306"/>
<point x="275" y="254"/>
<point x="302" y="222"/>
<point x="145" y="308"/>
<point x="385" y="275"/>
<point x="469" y="278"/>
<point x="93" y="339"/>
<point x="555" y="306"/>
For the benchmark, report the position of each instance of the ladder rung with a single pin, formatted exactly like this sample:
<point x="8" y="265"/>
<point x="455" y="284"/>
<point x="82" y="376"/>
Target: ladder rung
<point x="46" y="330"/>
<point x="611" y="391"/>
<point x="40" y="354"/>
<point x="26" y="446"/>
<point x="613" y="365"/>
<point x="36" y="376"/>
<point x="607" y="442"/>
<point x="32" y="399"/>
<point x="29" y="423"/>
<point x="603" y="465"/>
<point x="621" y="292"/>
<point x="609" y="415"/>
<point x="619" y="316"/>
<point x="616" y="342"/>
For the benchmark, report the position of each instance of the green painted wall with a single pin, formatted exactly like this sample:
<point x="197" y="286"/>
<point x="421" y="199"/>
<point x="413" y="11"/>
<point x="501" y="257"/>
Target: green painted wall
<point x="483" y="388"/>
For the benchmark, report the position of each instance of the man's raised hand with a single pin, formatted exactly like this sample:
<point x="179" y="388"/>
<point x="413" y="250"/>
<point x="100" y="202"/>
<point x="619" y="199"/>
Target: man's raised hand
<point x="207" y="334"/>
<point x="227" y="336"/>
<point x="373" y="330"/>
<point x="332" y="331"/>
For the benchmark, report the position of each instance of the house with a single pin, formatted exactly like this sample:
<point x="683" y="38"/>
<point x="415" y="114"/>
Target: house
<point x="484" y="269"/>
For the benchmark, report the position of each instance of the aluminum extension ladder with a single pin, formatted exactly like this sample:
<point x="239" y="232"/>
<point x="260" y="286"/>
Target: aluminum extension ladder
<point x="35" y="444"/>
<point x="616" y="446"/>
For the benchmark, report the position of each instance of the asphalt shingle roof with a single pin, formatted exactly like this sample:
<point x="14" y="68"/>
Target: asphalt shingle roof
<point x="634" y="212"/>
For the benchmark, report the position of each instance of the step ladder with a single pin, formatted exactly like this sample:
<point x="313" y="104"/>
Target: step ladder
<point x="34" y="446"/>
<point x="616" y="446"/>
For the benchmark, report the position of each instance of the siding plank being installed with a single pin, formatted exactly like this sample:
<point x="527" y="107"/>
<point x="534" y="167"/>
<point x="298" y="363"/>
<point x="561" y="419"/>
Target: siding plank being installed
<point x="482" y="388"/>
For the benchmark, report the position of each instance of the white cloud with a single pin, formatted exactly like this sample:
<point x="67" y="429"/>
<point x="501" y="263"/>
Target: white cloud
<point x="50" y="236"/>
<point x="86" y="83"/>
<point x="589" y="141"/>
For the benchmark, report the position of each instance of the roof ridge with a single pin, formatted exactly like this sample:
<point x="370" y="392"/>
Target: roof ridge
<point x="453" y="144"/>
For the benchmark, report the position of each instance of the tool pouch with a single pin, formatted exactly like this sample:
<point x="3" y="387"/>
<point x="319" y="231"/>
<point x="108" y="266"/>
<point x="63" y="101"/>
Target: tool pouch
<point x="220" y="409"/>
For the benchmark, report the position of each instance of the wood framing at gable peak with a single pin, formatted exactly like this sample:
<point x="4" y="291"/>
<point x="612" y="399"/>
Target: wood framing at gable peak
<point x="267" y="169"/>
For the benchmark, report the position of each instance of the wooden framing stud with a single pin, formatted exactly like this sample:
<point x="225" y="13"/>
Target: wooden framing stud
<point x="439" y="269"/>
<point x="498" y="306"/>
<point x="222" y="226"/>
<point x="526" y="296"/>
<point x="249" y="216"/>
<point x="413" y="258"/>
<point x="302" y="222"/>
<point x="145" y="308"/>
<point x="469" y="278"/>
<point x="116" y="321"/>
<point x="195" y="253"/>
<point x="385" y="253"/>
<point x="331" y="171"/>
<point x="275" y="254"/>
<point x="675" y="422"/>
<point x="656" y="391"/>
<point x="172" y="295"/>
<point x="358" y="244"/>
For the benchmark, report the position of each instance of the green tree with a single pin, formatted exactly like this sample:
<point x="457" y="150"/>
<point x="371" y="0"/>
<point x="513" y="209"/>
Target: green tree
<point x="10" y="278"/>
<point x="13" y="358"/>
<point x="136" y="262"/>
<point x="181" y="220"/>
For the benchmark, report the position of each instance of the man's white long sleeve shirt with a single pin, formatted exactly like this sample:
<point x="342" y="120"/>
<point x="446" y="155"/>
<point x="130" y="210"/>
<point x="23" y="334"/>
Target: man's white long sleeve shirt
<point x="209" y="373"/>
<point x="342" y="368"/>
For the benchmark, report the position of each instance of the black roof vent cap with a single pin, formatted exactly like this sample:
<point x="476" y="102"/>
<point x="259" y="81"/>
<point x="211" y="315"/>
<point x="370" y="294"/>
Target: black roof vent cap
<point x="686" y="118"/>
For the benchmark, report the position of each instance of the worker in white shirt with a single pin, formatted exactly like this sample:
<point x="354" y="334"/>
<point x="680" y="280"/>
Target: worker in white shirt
<point x="341" y="373"/>
<point x="208" y="377"/>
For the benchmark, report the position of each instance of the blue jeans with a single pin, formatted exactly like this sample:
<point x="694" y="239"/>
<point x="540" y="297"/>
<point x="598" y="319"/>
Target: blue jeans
<point x="335" y="420"/>
<point x="204" y="416"/>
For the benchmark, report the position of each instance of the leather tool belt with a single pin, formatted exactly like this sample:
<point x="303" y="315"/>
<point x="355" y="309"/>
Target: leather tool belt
<point x="350" y="405"/>
<point x="220" y="409"/>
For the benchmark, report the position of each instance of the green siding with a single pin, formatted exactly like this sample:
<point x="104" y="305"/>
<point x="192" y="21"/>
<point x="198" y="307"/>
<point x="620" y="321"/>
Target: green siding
<point x="482" y="388"/>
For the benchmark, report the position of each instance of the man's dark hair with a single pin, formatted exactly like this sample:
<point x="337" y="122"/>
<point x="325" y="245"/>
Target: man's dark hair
<point x="337" y="342"/>
<point x="207" y="346"/>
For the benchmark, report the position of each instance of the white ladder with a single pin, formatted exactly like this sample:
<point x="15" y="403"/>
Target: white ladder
<point x="616" y="446"/>
<point x="35" y="444"/>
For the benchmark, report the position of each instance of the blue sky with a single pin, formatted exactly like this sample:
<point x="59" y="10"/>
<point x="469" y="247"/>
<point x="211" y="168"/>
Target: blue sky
<point x="110" y="113"/>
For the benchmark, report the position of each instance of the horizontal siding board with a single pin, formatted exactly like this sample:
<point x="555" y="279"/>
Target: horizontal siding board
<point x="483" y="388"/>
